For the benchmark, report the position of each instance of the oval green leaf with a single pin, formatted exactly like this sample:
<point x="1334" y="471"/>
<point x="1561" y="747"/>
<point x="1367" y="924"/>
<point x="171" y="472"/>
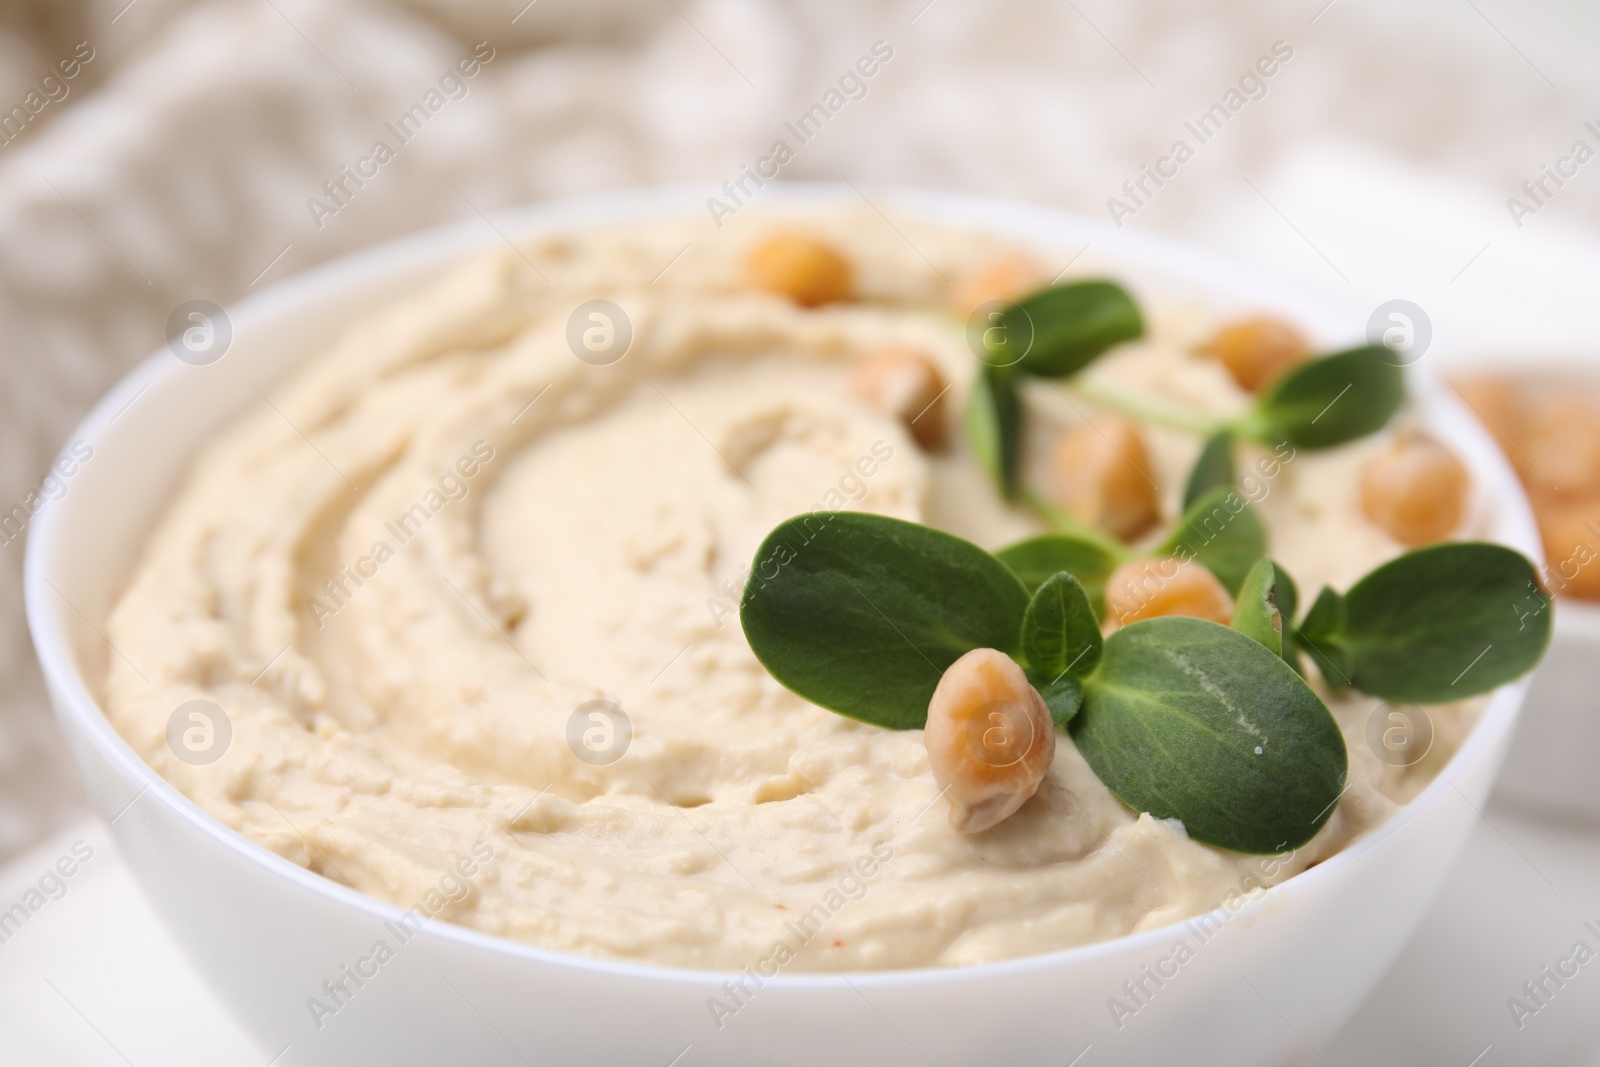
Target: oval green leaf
<point x="1187" y="719"/>
<point x="1213" y="469"/>
<point x="1221" y="531"/>
<point x="1060" y="330"/>
<point x="994" y="426"/>
<point x="1063" y="697"/>
<point x="1257" y="615"/>
<point x="1317" y="636"/>
<point x="1331" y="400"/>
<point x="1437" y="624"/>
<point x="1036" y="559"/>
<point x="861" y="614"/>
<point x="1287" y="596"/>
<point x="1060" y="634"/>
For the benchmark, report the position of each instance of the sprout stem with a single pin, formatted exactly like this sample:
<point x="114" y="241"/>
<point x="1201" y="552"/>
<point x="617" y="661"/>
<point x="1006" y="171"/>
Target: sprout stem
<point x="1143" y="408"/>
<point x="1061" y="522"/>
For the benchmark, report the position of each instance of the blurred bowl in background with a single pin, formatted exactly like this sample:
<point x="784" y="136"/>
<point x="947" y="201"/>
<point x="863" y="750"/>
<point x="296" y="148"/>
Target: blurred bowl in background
<point x="1555" y="753"/>
<point x="1554" y="762"/>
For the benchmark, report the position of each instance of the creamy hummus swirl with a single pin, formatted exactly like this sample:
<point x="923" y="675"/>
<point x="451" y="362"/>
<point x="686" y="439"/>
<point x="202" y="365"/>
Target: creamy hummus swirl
<point x="406" y="575"/>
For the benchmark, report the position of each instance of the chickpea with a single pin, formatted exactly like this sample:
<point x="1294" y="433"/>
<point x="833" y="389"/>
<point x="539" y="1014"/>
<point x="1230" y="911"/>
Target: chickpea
<point x="1572" y="548"/>
<point x="1255" y="351"/>
<point x="1499" y="403"/>
<point x="1147" y="588"/>
<point x="1550" y="431"/>
<point x="1559" y="454"/>
<point x="1008" y="277"/>
<point x="801" y="267"/>
<point x="990" y="739"/>
<point x="1550" y="435"/>
<point x="1416" y="490"/>
<point x="1100" y="473"/>
<point x="905" y="383"/>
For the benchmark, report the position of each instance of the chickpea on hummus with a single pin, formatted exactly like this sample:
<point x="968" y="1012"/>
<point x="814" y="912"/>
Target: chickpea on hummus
<point x="469" y="585"/>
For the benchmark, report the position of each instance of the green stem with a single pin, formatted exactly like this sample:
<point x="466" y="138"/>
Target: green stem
<point x="1143" y="408"/>
<point x="1255" y="426"/>
<point x="1060" y="522"/>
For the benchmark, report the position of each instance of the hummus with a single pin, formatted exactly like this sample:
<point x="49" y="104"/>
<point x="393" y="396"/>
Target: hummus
<point x="456" y="592"/>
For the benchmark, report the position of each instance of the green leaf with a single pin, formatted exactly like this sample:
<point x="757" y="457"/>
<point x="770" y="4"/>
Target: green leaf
<point x="1063" y="697"/>
<point x="1439" y="623"/>
<point x="1035" y="560"/>
<point x="1285" y="593"/>
<point x="994" y="426"/>
<point x="861" y="614"/>
<point x="1329" y="401"/>
<point x="1060" y="330"/>
<point x="1257" y="614"/>
<point x="1287" y="597"/>
<point x="1060" y="634"/>
<point x="1316" y="636"/>
<point x="1221" y="531"/>
<point x="1186" y="719"/>
<point x="1214" y="468"/>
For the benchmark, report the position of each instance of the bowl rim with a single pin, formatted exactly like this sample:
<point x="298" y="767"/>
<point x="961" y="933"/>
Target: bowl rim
<point x="1028" y="223"/>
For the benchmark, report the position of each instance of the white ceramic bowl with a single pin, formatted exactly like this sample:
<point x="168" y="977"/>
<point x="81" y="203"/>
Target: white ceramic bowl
<point x="1277" y="978"/>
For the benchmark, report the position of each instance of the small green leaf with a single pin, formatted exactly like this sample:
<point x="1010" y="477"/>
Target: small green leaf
<point x="1285" y="593"/>
<point x="994" y="426"/>
<point x="1287" y="597"/>
<point x="1060" y="634"/>
<point x="1221" y="531"/>
<point x="1038" y="558"/>
<point x="1214" y="468"/>
<point x="1257" y="614"/>
<point x="1060" y="330"/>
<point x="862" y="614"/>
<point x="1330" y="401"/>
<point x="1439" y="623"/>
<point x="1317" y="634"/>
<point x="1063" y="697"/>
<point x="1186" y="719"/>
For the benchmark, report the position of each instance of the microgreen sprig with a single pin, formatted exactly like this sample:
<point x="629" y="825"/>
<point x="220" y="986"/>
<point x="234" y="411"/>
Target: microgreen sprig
<point x="1323" y="402"/>
<point x="1219" y="530"/>
<point x="1052" y="333"/>
<point x="1180" y="717"/>
<point x="1058" y="331"/>
<point x="1320" y="404"/>
<point x="1439" y="623"/>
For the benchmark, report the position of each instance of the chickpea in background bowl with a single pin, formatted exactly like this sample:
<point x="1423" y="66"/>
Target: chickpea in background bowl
<point x="1549" y="427"/>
